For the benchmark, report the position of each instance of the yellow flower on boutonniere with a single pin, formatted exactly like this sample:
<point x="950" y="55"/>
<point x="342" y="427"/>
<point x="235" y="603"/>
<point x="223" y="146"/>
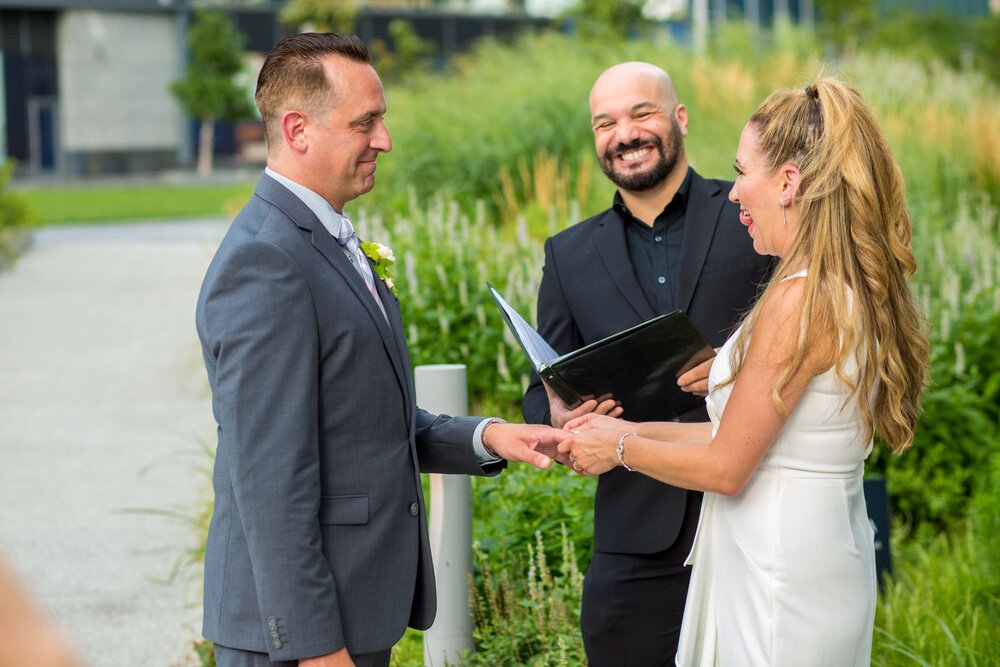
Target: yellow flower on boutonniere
<point x="382" y="258"/>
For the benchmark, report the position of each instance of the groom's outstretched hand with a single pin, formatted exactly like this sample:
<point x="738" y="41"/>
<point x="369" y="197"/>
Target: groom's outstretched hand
<point x="531" y="443"/>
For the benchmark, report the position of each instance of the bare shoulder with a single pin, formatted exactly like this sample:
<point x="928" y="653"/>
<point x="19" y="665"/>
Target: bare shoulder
<point x="781" y="307"/>
<point x="779" y="328"/>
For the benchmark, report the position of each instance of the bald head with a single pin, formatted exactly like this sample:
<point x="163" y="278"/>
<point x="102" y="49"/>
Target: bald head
<point x="635" y="78"/>
<point x="639" y="129"/>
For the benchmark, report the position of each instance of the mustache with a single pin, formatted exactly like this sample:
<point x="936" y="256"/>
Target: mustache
<point x="632" y="145"/>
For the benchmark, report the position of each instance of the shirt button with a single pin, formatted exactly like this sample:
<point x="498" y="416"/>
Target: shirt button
<point x="657" y="238"/>
<point x="414" y="509"/>
<point x="661" y="280"/>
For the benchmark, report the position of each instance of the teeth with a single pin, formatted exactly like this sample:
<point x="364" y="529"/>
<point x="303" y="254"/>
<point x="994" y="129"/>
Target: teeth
<point x="635" y="155"/>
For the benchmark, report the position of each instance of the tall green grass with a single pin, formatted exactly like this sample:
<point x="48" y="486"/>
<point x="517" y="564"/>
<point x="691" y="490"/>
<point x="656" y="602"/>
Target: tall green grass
<point x="940" y="608"/>
<point x="456" y="135"/>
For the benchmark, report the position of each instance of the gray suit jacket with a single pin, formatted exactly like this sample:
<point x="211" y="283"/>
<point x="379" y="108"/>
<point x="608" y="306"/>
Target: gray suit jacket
<point x="318" y="539"/>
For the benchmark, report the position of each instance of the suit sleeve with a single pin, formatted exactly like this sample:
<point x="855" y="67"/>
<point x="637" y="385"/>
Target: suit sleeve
<point x="557" y="327"/>
<point x="444" y="445"/>
<point x="264" y="331"/>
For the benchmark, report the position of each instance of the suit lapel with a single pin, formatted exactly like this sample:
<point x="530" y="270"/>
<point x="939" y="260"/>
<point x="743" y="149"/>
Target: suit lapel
<point x="703" y="208"/>
<point x="391" y="305"/>
<point x="324" y="243"/>
<point x="610" y="242"/>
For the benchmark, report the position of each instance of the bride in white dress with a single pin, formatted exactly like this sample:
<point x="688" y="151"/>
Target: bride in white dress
<point x="833" y="352"/>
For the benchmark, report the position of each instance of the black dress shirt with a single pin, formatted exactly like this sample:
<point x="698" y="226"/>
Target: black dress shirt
<point x="656" y="251"/>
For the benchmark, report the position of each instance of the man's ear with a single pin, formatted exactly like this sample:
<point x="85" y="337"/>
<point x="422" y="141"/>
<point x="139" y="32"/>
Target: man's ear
<point x="293" y="130"/>
<point x="681" y="116"/>
<point x="791" y="177"/>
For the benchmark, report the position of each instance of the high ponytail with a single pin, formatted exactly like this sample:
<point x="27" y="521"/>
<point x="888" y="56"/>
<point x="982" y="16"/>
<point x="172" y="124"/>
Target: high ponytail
<point x="855" y="230"/>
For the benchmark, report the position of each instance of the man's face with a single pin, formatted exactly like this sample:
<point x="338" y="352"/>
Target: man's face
<point x="639" y="136"/>
<point x="346" y="139"/>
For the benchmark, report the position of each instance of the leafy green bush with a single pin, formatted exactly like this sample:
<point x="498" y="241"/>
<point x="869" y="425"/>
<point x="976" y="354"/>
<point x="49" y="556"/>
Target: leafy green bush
<point x="511" y="508"/>
<point x="526" y="614"/>
<point x="958" y="285"/>
<point x="14" y="212"/>
<point x="986" y="523"/>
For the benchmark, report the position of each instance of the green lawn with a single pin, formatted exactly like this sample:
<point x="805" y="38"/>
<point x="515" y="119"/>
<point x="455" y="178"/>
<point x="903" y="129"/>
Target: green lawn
<point x="58" y="206"/>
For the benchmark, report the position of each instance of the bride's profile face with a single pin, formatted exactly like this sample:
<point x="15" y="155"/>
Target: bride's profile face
<point x="758" y="191"/>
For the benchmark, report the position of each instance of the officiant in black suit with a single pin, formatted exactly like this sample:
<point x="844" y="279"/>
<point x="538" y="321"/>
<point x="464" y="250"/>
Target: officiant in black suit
<point x="670" y="241"/>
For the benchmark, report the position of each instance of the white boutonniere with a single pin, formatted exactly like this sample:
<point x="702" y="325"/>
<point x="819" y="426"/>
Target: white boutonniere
<point x="382" y="258"/>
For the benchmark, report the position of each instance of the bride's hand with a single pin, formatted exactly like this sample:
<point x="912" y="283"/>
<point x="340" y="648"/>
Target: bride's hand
<point x="592" y="452"/>
<point x="594" y="420"/>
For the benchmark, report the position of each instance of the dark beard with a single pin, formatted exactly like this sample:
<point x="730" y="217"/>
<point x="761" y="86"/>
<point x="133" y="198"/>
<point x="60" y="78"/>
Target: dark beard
<point x="655" y="175"/>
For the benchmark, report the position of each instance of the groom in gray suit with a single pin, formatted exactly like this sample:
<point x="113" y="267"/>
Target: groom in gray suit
<point x="318" y="552"/>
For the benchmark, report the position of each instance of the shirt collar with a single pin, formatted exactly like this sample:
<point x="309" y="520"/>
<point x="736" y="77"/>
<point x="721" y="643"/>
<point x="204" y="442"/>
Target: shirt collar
<point x="683" y="192"/>
<point x="330" y="218"/>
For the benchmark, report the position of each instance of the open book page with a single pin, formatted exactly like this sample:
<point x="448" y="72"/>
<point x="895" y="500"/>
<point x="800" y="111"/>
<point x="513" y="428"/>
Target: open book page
<point x="539" y="352"/>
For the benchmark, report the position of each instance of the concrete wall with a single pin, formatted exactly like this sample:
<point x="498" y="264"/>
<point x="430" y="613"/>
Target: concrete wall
<point x="115" y="70"/>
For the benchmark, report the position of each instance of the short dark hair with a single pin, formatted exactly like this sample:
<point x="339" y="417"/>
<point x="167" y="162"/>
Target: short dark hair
<point x="293" y="75"/>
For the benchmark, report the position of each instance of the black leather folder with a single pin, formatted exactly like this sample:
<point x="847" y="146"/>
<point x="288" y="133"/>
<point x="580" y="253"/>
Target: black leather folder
<point x="637" y="367"/>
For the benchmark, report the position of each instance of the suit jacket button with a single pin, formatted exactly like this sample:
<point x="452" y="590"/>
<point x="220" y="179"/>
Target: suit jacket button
<point x="414" y="509"/>
<point x="277" y="643"/>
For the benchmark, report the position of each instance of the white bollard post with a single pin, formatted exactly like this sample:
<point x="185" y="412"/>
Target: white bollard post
<point x="442" y="389"/>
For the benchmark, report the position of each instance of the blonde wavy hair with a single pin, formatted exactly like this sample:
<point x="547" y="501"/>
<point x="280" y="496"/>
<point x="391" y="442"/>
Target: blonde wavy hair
<point x="854" y="230"/>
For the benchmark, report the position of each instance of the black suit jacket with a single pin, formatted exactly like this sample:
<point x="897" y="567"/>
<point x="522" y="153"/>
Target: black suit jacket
<point x="589" y="291"/>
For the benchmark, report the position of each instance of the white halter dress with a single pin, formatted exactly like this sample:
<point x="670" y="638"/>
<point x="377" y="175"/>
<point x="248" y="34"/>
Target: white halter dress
<point x="784" y="571"/>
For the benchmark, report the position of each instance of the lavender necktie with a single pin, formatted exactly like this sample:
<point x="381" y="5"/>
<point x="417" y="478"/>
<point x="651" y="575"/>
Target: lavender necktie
<point x="349" y="240"/>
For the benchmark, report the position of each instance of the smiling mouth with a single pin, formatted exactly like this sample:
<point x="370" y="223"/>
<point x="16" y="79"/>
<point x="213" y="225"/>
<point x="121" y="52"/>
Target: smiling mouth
<point x="745" y="218"/>
<point x="637" y="154"/>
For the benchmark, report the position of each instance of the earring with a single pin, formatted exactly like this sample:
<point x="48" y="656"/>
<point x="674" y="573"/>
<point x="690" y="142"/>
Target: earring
<point x="783" y="206"/>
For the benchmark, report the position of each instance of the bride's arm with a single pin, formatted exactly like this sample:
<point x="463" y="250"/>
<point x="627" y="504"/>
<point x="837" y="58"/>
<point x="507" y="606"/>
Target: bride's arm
<point x="669" y="431"/>
<point x="685" y="455"/>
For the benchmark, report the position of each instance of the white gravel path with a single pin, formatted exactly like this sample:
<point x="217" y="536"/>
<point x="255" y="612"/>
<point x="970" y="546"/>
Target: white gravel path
<point x="103" y="400"/>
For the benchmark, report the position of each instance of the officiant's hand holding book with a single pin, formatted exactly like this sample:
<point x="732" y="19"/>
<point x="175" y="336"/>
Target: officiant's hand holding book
<point x="638" y="368"/>
<point x="560" y="413"/>
<point x="695" y="381"/>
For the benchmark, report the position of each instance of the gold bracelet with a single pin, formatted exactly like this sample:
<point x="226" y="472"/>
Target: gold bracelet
<point x="621" y="449"/>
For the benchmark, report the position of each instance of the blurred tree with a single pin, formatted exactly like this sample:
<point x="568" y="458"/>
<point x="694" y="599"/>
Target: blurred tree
<point x="988" y="45"/>
<point x="410" y="52"/>
<point x="845" y="21"/>
<point x="209" y="89"/>
<point x="598" y="18"/>
<point x="321" y="15"/>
